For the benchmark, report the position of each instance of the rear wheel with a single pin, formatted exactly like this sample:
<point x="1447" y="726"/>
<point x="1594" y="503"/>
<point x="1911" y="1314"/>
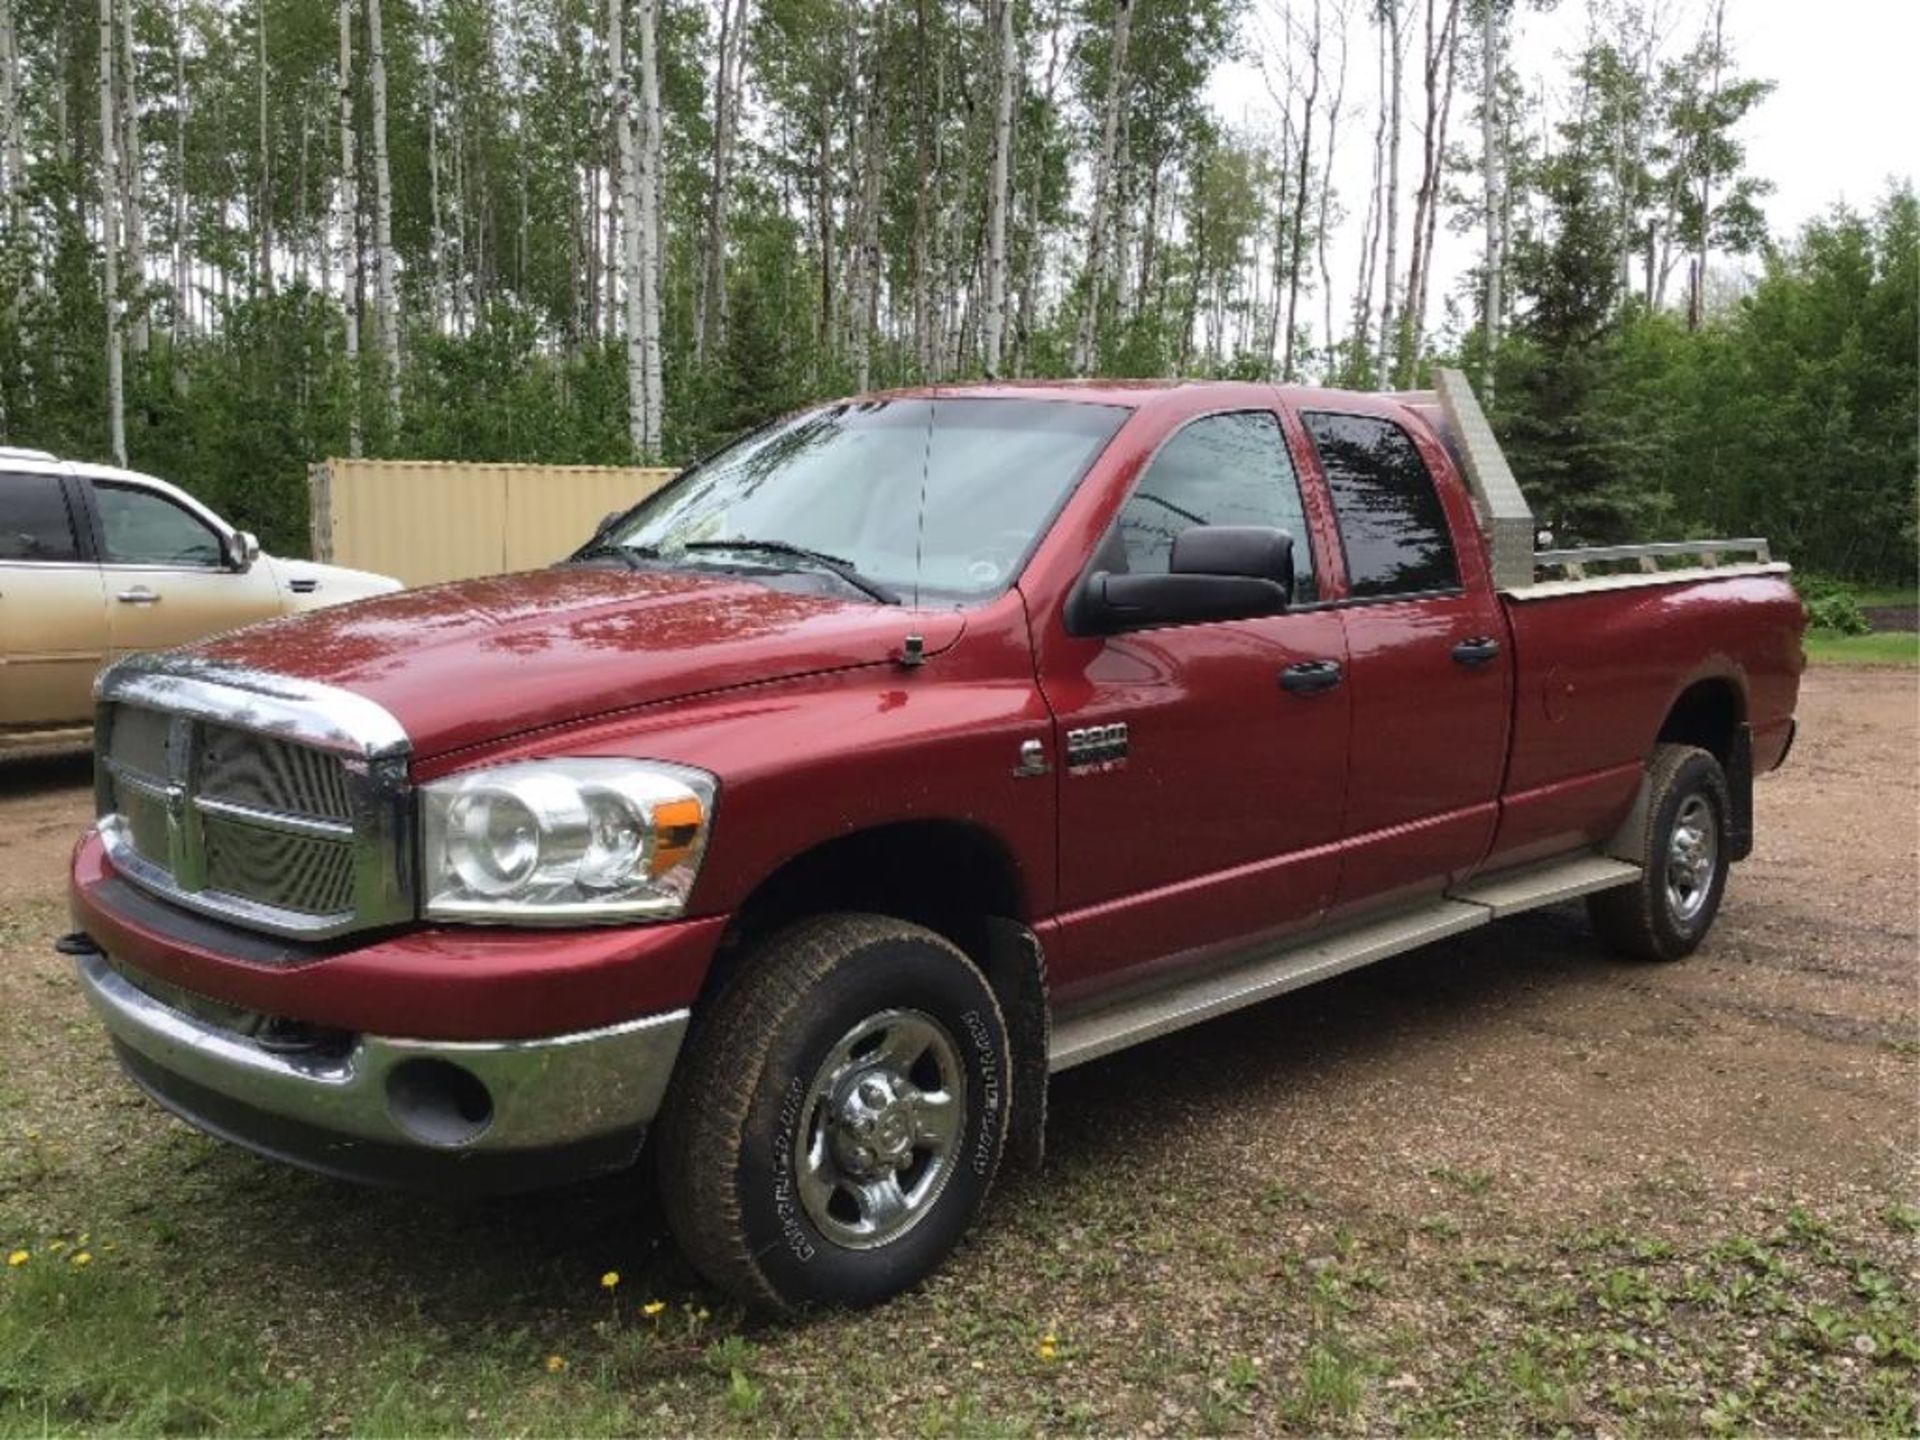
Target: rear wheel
<point x="1686" y="851"/>
<point x="839" y="1115"/>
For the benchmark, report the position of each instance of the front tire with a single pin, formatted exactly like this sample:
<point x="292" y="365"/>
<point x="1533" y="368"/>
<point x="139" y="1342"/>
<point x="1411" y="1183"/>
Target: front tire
<point x="838" y="1117"/>
<point x="1686" y="853"/>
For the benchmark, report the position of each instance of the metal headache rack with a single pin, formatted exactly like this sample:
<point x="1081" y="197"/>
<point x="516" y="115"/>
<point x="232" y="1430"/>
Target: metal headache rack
<point x="1523" y="572"/>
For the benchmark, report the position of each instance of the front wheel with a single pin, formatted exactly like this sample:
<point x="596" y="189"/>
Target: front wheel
<point x="1686" y="851"/>
<point x="838" y="1118"/>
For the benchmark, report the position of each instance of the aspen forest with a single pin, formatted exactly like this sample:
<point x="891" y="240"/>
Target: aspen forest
<point x="237" y="236"/>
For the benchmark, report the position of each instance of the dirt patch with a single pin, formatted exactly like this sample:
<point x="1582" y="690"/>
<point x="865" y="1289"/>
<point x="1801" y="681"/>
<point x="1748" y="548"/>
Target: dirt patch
<point x="1893" y="617"/>
<point x="1507" y="1183"/>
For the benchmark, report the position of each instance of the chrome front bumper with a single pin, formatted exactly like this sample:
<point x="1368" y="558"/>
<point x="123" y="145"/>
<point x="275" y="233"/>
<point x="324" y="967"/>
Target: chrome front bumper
<point x="488" y="1115"/>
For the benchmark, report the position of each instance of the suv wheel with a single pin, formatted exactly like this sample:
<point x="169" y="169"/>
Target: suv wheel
<point x="1666" y="913"/>
<point x="838" y="1117"/>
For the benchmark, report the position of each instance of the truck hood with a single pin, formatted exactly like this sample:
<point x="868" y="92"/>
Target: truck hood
<point x="479" y="660"/>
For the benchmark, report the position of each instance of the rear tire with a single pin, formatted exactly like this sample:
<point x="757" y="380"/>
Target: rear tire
<point x="1684" y="859"/>
<point x="838" y="1116"/>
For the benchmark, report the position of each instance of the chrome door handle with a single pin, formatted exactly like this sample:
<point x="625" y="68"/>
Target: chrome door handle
<point x="139" y="595"/>
<point x="1310" y="677"/>
<point x="1477" y="651"/>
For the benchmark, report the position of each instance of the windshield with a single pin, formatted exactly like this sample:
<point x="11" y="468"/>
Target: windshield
<point x="924" y="496"/>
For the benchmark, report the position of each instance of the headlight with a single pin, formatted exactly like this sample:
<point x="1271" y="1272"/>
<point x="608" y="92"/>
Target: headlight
<point x="564" y="841"/>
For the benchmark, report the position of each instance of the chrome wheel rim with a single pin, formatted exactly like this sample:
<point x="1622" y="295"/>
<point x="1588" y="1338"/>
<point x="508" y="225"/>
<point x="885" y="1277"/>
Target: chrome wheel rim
<point x="1693" y="853"/>
<point x="883" y="1119"/>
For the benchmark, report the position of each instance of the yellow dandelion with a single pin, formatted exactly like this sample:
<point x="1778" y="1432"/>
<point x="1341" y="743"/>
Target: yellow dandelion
<point x="1045" y="1351"/>
<point x="653" y="1308"/>
<point x="610" y="1279"/>
<point x="19" y="1258"/>
<point x="556" y="1363"/>
<point x="81" y="1258"/>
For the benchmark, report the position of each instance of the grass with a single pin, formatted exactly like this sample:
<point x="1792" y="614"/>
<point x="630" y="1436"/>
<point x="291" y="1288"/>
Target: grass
<point x="1883" y="648"/>
<point x="221" y="1295"/>
<point x="1133" y="1286"/>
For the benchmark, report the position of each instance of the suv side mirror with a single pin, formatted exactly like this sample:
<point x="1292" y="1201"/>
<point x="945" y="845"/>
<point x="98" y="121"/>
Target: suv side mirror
<point x="242" y="549"/>
<point x="1216" y="572"/>
<point x="607" y="522"/>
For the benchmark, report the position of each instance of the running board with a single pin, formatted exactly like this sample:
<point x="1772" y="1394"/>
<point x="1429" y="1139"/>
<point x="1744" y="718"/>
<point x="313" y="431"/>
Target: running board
<point x="1275" y="971"/>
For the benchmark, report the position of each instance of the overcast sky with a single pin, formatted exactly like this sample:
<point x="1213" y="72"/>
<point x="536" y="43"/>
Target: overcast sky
<point x="1843" y="119"/>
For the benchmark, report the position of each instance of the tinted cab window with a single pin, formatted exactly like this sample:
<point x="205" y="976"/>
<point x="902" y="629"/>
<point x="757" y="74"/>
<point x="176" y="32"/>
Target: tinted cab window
<point x="141" y="528"/>
<point x="1392" y="526"/>
<point x="1220" y="470"/>
<point x="34" y="523"/>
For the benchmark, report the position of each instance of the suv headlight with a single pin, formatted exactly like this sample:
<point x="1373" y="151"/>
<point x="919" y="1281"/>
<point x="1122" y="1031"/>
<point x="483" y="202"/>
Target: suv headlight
<point x="575" y="841"/>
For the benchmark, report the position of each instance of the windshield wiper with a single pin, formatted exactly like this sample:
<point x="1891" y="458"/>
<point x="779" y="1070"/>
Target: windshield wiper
<point x="630" y="555"/>
<point x="832" y="564"/>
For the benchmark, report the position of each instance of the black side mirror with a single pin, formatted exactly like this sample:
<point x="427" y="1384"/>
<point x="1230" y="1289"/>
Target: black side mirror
<point x="607" y="522"/>
<point x="1216" y="572"/>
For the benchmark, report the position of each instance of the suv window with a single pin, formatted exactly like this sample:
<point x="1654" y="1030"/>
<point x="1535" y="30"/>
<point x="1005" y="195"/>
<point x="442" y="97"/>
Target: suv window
<point x="1392" y="526"/>
<point x="1220" y="470"/>
<point x="141" y="528"/>
<point x="34" y="523"/>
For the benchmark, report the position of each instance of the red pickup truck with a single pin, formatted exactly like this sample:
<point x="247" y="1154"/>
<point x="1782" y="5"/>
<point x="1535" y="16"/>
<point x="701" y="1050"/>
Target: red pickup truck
<point x="910" y="749"/>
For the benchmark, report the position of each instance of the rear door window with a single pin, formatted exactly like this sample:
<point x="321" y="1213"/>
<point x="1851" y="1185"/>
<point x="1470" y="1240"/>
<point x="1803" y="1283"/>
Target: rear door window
<point x="1221" y="470"/>
<point x="1392" y="525"/>
<point x="34" y="521"/>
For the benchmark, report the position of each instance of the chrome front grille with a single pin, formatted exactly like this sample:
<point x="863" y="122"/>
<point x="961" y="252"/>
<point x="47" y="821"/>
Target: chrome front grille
<point x="263" y="774"/>
<point x="277" y="804"/>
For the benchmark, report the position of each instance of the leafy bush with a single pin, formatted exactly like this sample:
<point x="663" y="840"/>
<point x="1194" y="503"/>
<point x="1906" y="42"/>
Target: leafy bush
<point x="1838" y="612"/>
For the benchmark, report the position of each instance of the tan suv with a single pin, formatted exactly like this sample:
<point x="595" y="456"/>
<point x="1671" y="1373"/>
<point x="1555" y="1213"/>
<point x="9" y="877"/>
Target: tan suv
<point x="97" y="562"/>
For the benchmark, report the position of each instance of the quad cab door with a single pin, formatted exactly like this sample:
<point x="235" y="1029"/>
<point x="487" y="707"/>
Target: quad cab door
<point x="1429" y="662"/>
<point x="1201" y="767"/>
<point x="169" y="577"/>
<point x="53" y="621"/>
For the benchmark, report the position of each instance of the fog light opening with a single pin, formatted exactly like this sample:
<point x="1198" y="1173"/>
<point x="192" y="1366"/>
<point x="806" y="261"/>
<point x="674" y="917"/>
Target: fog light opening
<point x="438" y="1103"/>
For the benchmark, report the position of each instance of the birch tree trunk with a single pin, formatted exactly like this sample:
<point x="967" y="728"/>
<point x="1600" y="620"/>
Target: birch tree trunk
<point x="1492" y="183"/>
<point x="110" y="240"/>
<point x="1391" y="17"/>
<point x="1697" y="283"/>
<point x="1325" y="208"/>
<point x="1000" y="196"/>
<point x="865" y="314"/>
<point x="652" y="251"/>
<point x="15" y="150"/>
<point x="1360" y="344"/>
<point x="630" y="229"/>
<point x="182" y="275"/>
<point x="349" y="232"/>
<point x="923" y="192"/>
<point x="436" y="238"/>
<point x="710" y="320"/>
<point x="263" y="228"/>
<point x="1437" y="84"/>
<point x="386" y="283"/>
<point x="132" y="181"/>
<point x="1298" y="239"/>
<point x="1087" y="333"/>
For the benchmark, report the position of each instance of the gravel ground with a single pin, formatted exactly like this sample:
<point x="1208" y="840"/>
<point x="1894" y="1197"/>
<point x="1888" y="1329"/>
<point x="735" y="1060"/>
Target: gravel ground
<point x="1504" y="1183"/>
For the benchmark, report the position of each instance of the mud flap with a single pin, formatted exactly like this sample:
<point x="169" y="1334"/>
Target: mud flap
<point x="1740" y="793"/>
<point x="1018" y="972"/>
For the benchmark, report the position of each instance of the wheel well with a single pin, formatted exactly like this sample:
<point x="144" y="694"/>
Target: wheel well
<point x="946" y="875"/>
<point x="1707" y="714"/>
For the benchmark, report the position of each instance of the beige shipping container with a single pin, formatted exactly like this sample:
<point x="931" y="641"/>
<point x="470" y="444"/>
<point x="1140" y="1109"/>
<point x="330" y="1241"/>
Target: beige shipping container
<point x="424" y="521"/>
